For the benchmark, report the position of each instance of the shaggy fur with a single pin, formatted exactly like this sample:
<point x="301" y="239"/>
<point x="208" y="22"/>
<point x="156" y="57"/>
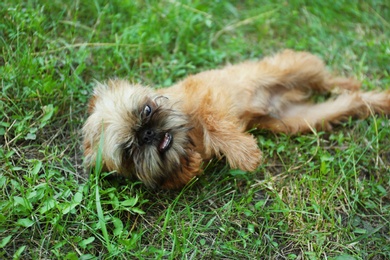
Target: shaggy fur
<point x="161" y="137"/>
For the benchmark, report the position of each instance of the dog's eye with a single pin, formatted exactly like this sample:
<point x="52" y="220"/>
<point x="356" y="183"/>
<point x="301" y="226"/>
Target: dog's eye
<point x="147" y="110"/>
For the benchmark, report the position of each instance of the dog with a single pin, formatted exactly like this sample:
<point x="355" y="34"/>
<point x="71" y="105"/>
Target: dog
<point x="163" y="136"/>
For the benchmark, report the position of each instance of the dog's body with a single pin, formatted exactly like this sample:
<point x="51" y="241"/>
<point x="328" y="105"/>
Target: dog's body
<point x="162" y="136"/>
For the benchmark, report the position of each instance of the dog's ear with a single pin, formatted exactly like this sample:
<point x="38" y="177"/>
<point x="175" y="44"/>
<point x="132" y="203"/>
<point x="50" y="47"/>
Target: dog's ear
<point x="190" y="167"/>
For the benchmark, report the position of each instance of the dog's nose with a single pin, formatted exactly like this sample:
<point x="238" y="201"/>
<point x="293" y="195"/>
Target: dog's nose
<point x="148" y="136"/>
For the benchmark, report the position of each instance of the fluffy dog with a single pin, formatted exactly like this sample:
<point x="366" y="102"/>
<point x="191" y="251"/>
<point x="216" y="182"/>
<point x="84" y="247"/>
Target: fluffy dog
<point x="162" y="136"/>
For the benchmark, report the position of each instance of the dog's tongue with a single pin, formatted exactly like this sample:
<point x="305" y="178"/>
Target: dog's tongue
<point x="165" y="142"/>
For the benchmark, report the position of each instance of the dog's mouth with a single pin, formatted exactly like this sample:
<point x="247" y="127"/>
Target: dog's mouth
<point x="165" y="143"/>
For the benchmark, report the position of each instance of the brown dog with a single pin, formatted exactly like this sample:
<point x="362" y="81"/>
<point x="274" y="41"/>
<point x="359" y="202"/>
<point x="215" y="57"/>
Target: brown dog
<point x="162" y="136"/>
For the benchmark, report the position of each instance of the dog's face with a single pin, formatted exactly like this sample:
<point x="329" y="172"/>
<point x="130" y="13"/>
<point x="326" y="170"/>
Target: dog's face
<point x="142" y="135"/>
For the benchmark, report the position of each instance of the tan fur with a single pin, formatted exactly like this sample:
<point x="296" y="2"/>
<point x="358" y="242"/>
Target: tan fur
<point x="208" y="114"/>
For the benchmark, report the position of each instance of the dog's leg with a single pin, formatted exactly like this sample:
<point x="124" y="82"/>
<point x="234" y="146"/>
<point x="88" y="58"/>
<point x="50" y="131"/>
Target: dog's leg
<point x="302" y="70"/>
<point x="286" y="79"/>
<point x="304" y="117"/>
<point x="241" y="150"/>
<point x="222" y="137"/>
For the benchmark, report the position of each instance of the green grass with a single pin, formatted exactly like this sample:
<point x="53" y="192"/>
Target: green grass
<point x="318" y="196"/>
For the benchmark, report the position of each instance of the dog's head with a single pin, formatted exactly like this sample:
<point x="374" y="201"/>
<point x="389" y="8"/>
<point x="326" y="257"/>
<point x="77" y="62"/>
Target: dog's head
<point x="142" y="135"/>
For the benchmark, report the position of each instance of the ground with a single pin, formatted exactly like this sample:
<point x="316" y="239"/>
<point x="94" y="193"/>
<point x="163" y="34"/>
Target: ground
<point x="316" y="196"/>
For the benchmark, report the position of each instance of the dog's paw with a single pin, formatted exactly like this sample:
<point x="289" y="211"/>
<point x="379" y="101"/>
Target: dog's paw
<point x="251" y="161"/>
<point x="341" y="84"/>
<point x="245" y="156"/>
